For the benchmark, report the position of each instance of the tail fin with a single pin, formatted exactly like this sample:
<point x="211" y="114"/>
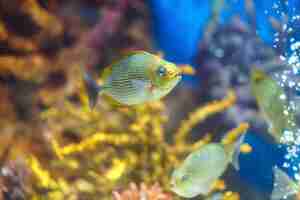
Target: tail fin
<point x="92" y="88"/>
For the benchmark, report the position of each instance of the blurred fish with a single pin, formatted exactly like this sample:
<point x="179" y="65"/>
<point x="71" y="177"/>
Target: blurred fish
<point x="202" y="168"/>
<point x="137" y="78"/>
<point x="273" y="103"/>
<point x="284" y="186"/>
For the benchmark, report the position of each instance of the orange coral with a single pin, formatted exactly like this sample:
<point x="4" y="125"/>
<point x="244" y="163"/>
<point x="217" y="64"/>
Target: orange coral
<point x="134" y="192"/>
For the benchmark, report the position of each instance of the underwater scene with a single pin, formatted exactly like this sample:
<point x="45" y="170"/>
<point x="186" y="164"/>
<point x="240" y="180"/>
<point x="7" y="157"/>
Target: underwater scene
<point x="149" y="99"/>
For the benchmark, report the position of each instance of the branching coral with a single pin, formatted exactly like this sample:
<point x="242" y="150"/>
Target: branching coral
<point x="42" y="42"/>
<point x="235" y="133"/>
<point x="202" y="113"/>
<point x="74" y="152"/>
<point x="44" y="25"/>
<point x="128" y="145"/>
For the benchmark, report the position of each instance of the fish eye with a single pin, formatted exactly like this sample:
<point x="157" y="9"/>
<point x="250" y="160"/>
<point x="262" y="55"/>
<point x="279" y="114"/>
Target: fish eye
<point x="184" y="177"/>
<point x="161" y="71"/>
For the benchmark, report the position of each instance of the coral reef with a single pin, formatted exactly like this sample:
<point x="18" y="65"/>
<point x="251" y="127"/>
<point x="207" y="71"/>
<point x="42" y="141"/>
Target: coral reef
<point x="130" y="145"/>
<point x="72" y="152"/>
<point x="52" y="146"/>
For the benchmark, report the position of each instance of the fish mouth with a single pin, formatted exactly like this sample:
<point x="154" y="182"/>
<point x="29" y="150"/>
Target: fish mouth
<point x="177" y="75"/>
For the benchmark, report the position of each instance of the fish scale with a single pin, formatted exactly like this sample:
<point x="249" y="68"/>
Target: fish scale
<point x="121" y="81"/>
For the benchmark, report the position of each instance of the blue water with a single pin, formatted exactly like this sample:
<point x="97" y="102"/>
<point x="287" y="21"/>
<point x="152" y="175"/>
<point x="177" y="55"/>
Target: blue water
<point x="178" y="29"/>
<point x="178" y="25"/>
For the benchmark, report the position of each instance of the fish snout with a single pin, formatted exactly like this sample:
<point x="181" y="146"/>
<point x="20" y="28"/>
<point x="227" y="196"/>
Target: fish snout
<point x="175" y="74"/>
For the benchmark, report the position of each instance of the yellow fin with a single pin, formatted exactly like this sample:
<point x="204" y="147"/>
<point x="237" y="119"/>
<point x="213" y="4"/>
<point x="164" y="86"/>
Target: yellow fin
<point x="258" y="75"/>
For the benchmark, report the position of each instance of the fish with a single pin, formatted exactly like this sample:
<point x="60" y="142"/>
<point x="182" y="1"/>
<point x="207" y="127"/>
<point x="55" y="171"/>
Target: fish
<point x="283" y="186"/>
<point x="273" y="104"/>
<point x="136" y="78"/>
<point x="203" y="167"/>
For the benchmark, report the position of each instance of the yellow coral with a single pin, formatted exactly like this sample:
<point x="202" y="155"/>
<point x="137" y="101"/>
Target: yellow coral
<point x="231" y="196"/>
<point x="128" y="145"/>
<point x="90" y="143"/>
<point x="43" y="176"/>
<point x="202" y="113"/>
<point x="235" y="133"/>
<point x="117" y="170"/>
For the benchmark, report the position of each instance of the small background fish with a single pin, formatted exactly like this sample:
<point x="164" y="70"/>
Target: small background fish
<point x="273" y="103"/>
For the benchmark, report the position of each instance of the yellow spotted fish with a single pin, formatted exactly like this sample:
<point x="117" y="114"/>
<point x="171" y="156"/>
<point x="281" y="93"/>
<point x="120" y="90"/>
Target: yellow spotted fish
<point x="137" y="78"/>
